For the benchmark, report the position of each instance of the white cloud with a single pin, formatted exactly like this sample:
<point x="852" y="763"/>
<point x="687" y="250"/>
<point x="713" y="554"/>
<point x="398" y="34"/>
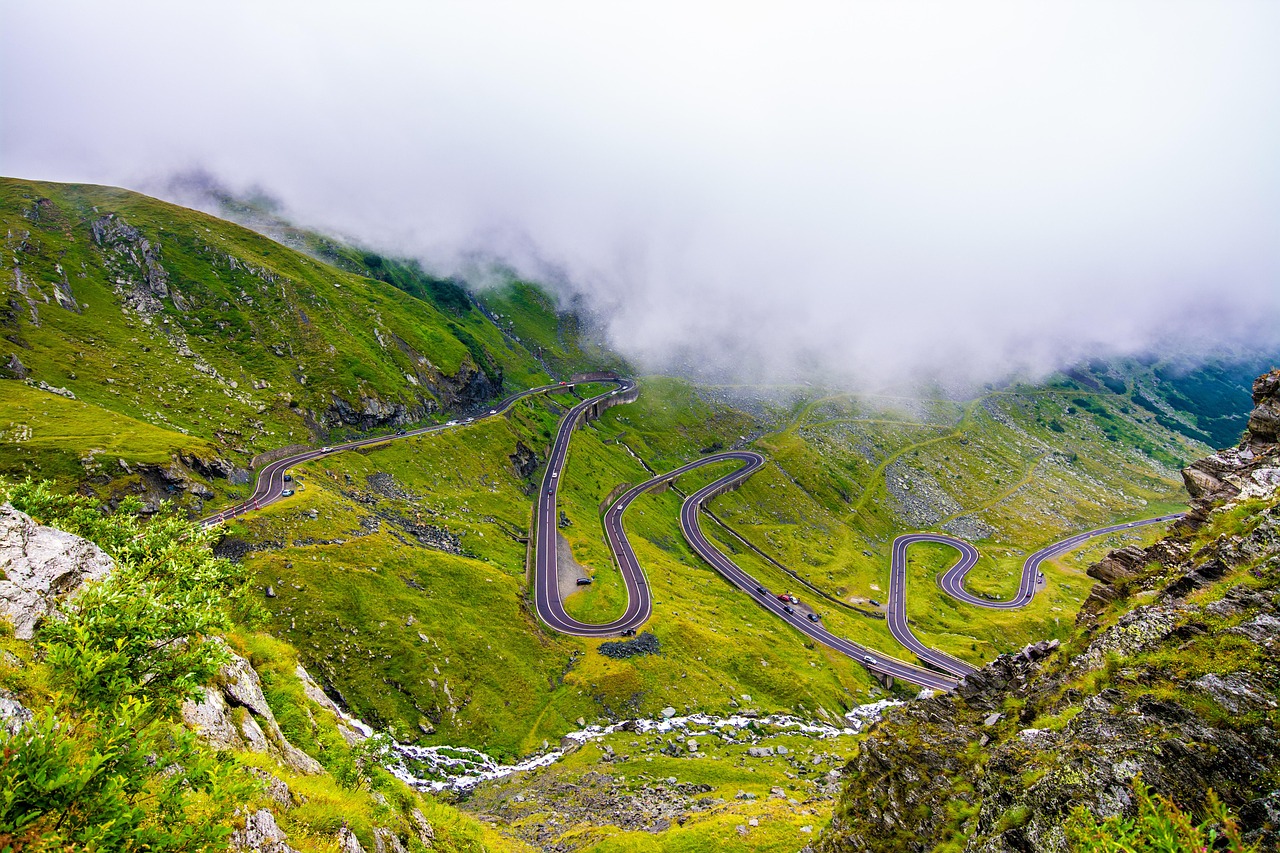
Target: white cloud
<point x="881" y="189"/>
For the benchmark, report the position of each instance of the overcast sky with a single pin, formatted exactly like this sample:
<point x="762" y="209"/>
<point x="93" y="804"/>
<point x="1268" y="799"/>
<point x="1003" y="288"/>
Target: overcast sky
<point x="877" y="189"/>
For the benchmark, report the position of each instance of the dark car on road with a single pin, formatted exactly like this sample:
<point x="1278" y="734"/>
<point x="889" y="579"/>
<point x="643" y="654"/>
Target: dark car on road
<point x="814" y="617"/>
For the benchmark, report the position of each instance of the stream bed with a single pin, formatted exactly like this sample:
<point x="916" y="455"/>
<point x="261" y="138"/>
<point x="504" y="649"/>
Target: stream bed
<point x="440" y="768"/>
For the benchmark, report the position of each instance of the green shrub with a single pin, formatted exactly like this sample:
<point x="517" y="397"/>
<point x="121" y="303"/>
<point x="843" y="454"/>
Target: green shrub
<point x="118" y="780"/>
<point x="1160" y="826"/>
<point x="107" y="765"/>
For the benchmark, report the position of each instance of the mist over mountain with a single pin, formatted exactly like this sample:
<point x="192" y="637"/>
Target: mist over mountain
<point x="866" y="194"/>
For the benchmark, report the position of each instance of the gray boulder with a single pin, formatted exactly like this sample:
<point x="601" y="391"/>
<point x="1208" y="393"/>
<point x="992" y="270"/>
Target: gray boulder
<point x="39" y="567"/>
<point x="13" y="714"/>
<point x="214" y="717"/>
<point x="261" y="833"/>
<point x="347" y="841"/>
<point x="386" y="841"/>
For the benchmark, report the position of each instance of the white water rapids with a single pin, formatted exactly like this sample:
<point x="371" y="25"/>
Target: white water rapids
<point x="438" y="768"/>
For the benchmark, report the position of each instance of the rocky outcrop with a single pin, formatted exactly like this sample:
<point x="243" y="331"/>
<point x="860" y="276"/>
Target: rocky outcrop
<point x="159" y="483"/>
<point x="999" y="747"/>
<point x="233" y="713"/>
<point x="347" y="841"/>
<point x="1264" y="420"/>
<point x="916" y="496"/>
<point x="260" y="834"/>
<point x="386" y="841"/>
<point x="467" y="389"/>
<point x="1118" y="565"/>
<point x="347" y="727"/>
<point x="368" y="413"/>
<point x="1250" y="470"/>
<point x="523" y="461"/>
<point x="41" y="566"/>
<point x="13" y="368"/>
<point x="645" y="644"/>
<point x="13" y="714"/>
<point x="140" y="278"/>
<point x="217" y="468"/>
<point x="1181" y="688"/>
<point x="422" y="828"/>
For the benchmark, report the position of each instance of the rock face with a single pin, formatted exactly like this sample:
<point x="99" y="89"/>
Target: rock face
<point x="1250" y="470"/>
<point x="1264" y="420"/>
<point x="233" y="714"/>
<point x="523" y="461"/>
<point x="13" y="714"/>
<point x="140" y="278"/>
<point x="260" y="833"/>
<point x="1182" y="688"/>
<point x="41" y="566"/>
<point x="347" y="841"/>
<point x="467" y="389"/>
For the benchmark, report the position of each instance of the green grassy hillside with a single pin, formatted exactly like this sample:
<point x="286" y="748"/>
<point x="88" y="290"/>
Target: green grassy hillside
<point x="227" y="343"/>
<point x="156" y="350"/>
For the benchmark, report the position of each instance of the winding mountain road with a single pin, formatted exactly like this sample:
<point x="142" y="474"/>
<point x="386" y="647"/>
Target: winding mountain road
<point x="952" y="583"/>
<point x="546" y="592"/>
<point x="269" y="486"/>
<point x="551" y="610"/>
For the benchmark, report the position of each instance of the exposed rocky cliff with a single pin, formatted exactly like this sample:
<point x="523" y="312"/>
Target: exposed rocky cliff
<point x="1173" y="673"/>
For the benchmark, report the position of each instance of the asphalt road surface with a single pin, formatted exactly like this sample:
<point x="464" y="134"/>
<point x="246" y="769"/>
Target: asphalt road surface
<point x="546" y="589"/>
<point x="875" y="661"/>
<point x="639" y="600"/>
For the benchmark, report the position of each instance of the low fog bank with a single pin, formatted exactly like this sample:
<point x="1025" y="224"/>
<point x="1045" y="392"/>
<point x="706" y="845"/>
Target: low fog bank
<point x="894" y="337"/>
<point x="861" y="194"/>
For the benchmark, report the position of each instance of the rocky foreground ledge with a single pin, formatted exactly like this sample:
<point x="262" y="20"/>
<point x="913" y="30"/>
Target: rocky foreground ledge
<point x="1173" y="673"/>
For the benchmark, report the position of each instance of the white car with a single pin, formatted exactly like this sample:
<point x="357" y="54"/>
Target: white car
<point x="326" y="450"/>
<point x="493" y="411"/>
<point x="452" y="423"/>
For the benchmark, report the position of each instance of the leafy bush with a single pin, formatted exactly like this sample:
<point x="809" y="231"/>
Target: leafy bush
<point x="1158" y="827"/>
<point x="108" y="766"/>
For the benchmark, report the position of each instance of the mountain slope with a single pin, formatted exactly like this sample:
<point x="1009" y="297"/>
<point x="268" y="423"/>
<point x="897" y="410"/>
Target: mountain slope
<point x="205" y="329"/>
<point x="398" y="572"/>
<point x="1171" y="673"/>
